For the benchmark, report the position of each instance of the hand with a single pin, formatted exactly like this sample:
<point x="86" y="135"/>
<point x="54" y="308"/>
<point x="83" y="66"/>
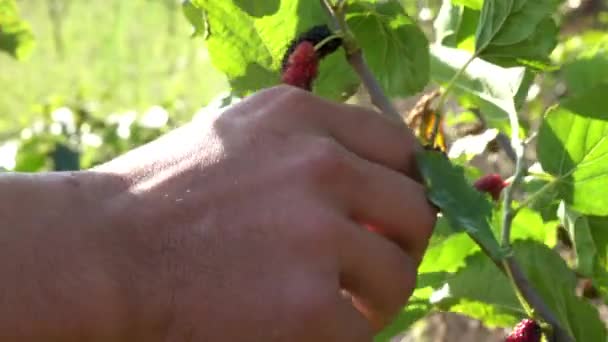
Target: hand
<point x="253" y="225"/>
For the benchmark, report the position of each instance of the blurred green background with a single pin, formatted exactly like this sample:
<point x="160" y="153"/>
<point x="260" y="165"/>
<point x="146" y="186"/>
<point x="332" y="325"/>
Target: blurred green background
<point x="102" y="78"/>
<point x="107" y="76"/>
<point x="110" y="55"/>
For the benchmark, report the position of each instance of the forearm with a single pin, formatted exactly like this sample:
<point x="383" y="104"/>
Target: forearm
<point x="54" y="285"/>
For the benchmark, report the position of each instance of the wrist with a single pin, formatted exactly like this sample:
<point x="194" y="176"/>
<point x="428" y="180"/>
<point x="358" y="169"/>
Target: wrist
<point x="56" y="283"/>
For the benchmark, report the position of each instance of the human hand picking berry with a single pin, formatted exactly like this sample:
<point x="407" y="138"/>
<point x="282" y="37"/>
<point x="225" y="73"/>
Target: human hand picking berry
<point x="245" y="226"/>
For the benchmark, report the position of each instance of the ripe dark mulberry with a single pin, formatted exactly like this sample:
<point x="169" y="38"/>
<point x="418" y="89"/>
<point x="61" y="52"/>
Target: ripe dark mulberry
<point x="300" y="63"/>
<point x="492" y="184"/>
<point x="525" y="331"/>
<point x="301" y="67"/>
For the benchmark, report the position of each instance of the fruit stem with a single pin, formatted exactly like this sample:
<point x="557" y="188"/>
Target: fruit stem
<point x="326" y="41"/>
<point x="530" y="300"/>
<point x="444" y="96"/>
<point x="355" y="57"/>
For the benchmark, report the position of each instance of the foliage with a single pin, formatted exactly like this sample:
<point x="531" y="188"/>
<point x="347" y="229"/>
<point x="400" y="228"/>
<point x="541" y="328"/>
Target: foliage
<point x="499" y="64"/>
<point x="16" y="37"/>
<point x="513" y="40"/>
<point x="118" y="55"/>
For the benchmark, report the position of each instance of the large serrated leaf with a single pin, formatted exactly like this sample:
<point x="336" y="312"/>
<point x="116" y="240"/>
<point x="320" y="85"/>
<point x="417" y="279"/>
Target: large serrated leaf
<point x="493" y="300"/>
<point x="579" y="231"/>
<point x="573" y="146"/>
<point x="514" y="29"/>
<point x="197" y="18"/>
<point x="599" y="231"/>
<point x="487" y="81"/>
<point x="465" y="208"/>
<point x="16" y="37"/>
<point x="590" y="65"/>
<point x="447" y="23"/>
<point x="474" y="4"/>
<point x="395" y="47"/>
<point x="248" y="47"/>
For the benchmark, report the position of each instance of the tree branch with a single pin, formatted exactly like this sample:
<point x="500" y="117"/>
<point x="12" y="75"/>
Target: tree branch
<point x="380" y="100"/>
<point x="536" y="301"/>
<point x="356" y="59"/>
<point x="512" y="269"/>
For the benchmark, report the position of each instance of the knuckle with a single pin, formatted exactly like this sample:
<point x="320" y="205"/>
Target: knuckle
<point x="325" y="161"/>
<point x="319" y="234"/>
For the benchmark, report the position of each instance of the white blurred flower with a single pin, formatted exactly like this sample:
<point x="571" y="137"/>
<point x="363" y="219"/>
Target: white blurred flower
<point x="533" y="92"/>
<point x="441" y="294"/>
<point x="91" y="139"/>
<point x="536" y="168"/>
<point x="8" y="155"/>
<point x="38" y="126"/>
<point x="26" y="134"/>
<point x="124" y="124"/>
<point x="472" y="145"/>
<point x="65" y="116"/>
<point x="155" y="117"/>
<point x="56" y="128"/>
<point x="425" y="14"/>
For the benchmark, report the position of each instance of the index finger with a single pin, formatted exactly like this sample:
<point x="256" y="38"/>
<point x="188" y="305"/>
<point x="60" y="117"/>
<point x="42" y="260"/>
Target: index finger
<point x="365" y="132"/>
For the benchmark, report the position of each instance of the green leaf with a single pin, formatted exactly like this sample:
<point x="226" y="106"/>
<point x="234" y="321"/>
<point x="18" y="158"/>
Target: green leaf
<point x="516" y="31"/>
<point x="527" y="225"/>
<point x="465" y="208"/>
<point x="258" y="8"/>
<point x="447" y="255"/>
<point x="573" y="147"/>
<point x="599" y="231"/>
<point x="394" y="46"/>
<point x="579" y="231"/>
<point x="533" y="52"/>
<point x="481" y="291"/>
<point x="491" y="83"/>
<point x="249" y="48"/>
<point x="590" y="65"/>
<point x="447" y="23"/>
<point x="556" y="284"/>
<point x="16" y="37"/>
<point x="474" y="4"/>
<point x="197" y="18"/>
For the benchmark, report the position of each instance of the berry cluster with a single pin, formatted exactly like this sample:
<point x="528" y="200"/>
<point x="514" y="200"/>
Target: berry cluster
<point x="525" y="331"/>
<point x="300" y="63"/>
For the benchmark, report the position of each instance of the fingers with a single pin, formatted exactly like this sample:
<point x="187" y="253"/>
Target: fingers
<point x="364" y="132"/>
<point x="371" y="136"/>
<point x="393" y="205"/>
<point x="353" y="326"/>
<point x="376" y="272"/>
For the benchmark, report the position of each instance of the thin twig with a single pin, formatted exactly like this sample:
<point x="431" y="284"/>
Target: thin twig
<point x="357" y="61"/>
<point x="519" y="280"/>
<point x="508" y="214"/>
<point x="380" y="100"/>
<point x="444" y="96"/>
<point x="536" y="301"/>
<point x="328" y="7"/>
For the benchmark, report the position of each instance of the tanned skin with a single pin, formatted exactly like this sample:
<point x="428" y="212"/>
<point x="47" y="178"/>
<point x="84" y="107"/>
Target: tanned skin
<point x="286" y="218"/>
